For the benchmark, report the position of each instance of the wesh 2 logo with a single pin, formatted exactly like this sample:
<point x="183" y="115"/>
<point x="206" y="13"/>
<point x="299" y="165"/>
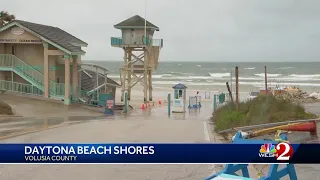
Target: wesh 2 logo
<point x="282" y="151"/>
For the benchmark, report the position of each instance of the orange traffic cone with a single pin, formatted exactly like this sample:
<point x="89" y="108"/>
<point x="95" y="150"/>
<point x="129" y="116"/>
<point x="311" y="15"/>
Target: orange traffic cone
<point x="305" y="126"/>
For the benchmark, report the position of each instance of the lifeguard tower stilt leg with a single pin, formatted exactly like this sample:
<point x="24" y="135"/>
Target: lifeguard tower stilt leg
<point x="130" y="75"/>
<point x="150" y="84"/>
<point x="145" y="75"/>
<point x="123" y="74"/>
<point x="129" y="72"/>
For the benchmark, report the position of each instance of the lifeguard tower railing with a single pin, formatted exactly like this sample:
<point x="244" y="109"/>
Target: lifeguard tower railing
<point x="118" y="41"/>
<point x="154" y="46"/>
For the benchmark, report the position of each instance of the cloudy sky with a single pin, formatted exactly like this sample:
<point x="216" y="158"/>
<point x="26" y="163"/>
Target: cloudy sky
<point x="193" y="30"/>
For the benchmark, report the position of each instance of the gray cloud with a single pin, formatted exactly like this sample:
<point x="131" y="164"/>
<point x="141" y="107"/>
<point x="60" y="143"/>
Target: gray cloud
<point x="206" y="30"/>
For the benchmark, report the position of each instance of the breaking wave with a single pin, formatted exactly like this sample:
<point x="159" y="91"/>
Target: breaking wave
<point x="286" y="68"/>
<point x="256" y="84"/>
<point x="305" y="75"/>
<point x="219" y="74"/>
<point x="268" y="75"/>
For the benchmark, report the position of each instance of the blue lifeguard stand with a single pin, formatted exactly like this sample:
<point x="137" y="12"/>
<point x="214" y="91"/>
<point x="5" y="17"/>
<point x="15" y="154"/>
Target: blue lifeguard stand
<point x="230" y="170"/>
<point x="179" y="98"/>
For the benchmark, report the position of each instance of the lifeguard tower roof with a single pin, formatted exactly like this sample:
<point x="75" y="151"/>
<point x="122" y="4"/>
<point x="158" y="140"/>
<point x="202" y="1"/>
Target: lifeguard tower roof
<point x="136" y="22"/>
<point x="179" y="86"/>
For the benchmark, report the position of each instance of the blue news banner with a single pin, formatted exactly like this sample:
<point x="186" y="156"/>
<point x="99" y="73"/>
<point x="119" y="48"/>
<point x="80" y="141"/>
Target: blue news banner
<point x="158" y="153"/>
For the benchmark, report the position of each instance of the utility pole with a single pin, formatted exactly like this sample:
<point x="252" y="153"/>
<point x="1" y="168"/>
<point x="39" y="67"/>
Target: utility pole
<point x="145" y="21"/>
<point x="237" y="87"/>
<point x="265" y="79"/>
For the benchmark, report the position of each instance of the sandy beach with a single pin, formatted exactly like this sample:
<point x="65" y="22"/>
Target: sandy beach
<point x="161" y="94"/>
<point x="150" y="125"/>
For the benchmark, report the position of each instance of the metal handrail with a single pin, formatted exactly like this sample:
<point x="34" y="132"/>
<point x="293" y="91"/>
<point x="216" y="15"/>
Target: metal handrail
<point x="13" y="61"/>
<point x="137" y="41"/>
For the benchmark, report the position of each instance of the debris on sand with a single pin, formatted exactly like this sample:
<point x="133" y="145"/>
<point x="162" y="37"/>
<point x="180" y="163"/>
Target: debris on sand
<point x="295" y="94"/>
<point x="315" y="95"/>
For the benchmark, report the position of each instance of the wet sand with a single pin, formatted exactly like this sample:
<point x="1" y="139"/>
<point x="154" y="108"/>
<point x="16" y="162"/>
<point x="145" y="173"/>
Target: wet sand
<point x="151" y="125"/>
<point x="27" y="106"/>
<point x="161" y="94"/>
<point x="33" y="114"/>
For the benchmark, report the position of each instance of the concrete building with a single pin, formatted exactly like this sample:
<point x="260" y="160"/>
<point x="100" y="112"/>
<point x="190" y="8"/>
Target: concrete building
<point x="40" y="60"/>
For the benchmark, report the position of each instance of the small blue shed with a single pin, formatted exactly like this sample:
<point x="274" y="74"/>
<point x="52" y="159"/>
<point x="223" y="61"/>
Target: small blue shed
<point x="179" y="98"/>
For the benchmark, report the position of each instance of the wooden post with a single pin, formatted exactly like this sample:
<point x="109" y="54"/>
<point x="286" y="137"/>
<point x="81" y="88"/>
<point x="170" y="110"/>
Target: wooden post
<point x="265" y="79"/>
<point x="121" y="79"/>
<point x="230" y="93"/>
<point x="125" y="102"/>
<point x="129" y="73"/>
<point x="237" y="87"/>
<point x="105" y="81"/>
<point x="124" y="74"/>
<point x="97" y="79"/>
<point x="150" y="84"/>
<point x="231" y="81"/>
<point x="214" y="102"/>
<point x="145" y="75"/>
<point x="169" y="104"/>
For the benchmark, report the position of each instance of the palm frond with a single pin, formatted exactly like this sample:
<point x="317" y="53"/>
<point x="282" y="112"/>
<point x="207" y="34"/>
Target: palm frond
<point x="5" y="17"/>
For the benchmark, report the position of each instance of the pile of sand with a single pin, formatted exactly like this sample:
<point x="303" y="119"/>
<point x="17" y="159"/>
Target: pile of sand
<point x="5" y="109"/>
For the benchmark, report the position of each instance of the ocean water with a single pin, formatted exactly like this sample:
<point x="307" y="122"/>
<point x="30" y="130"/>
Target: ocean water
<point x="212" y="76"/>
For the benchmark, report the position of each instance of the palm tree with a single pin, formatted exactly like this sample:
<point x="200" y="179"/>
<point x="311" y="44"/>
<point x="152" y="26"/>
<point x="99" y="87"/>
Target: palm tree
<point x="5" y="18"/>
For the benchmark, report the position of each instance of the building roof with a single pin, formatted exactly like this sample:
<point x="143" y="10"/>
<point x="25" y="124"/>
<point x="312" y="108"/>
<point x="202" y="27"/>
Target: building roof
<point x="135" y="22"/>
<point x="54" y="35"/>
<point x="179" y="86"/>
<point x="89" y="66"/>
<point x="88" y="83"/>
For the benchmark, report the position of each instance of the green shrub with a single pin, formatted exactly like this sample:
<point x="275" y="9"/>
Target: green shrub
<point x="260" y="110"/>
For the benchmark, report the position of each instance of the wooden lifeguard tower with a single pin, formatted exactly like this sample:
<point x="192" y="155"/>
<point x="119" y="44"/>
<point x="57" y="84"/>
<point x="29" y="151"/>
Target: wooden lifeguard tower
<point x="141" y="54"/>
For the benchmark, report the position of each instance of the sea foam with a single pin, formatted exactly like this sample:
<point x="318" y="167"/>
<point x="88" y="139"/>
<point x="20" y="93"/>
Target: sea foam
<point x="268" y="75"/>
<point x="305" y="75"/>
<point x="219" y="74"/>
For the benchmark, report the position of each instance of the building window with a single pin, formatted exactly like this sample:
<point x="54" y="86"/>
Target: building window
<point x="58" y="80"/>
<point x="180" y="93"/>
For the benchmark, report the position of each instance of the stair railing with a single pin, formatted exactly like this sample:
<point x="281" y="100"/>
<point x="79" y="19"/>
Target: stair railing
<point x="8" y="60"/>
